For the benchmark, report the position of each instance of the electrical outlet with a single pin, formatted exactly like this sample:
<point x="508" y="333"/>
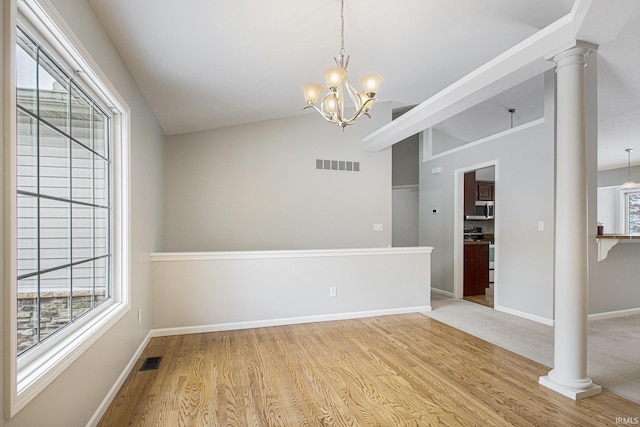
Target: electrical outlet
<point x="333" y="291"/>
<point x="140" y="317"/>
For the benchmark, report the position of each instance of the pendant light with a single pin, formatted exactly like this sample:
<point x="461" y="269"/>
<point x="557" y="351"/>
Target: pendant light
<point x="630" y="183"/>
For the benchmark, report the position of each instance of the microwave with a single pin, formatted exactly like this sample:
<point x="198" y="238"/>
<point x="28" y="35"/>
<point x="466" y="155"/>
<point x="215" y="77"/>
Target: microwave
<point x="484" y="211"/>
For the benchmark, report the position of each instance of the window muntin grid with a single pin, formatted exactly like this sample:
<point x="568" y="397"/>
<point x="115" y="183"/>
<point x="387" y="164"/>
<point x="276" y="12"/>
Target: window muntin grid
<point x="64" y="215"/>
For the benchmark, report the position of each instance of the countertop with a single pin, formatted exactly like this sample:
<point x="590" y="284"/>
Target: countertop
<point x="477" y="242"/>
<point x="632" y="236"/>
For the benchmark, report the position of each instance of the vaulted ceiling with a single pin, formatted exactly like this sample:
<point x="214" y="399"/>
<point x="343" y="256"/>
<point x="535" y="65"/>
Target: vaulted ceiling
<point x="203" y="64"/>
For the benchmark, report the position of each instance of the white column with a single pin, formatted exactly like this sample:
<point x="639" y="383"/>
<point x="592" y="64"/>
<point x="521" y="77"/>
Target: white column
<point x="569" y="374"/>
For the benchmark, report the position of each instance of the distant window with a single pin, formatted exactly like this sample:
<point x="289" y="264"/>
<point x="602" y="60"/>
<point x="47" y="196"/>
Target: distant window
<point x="632" y="211"/>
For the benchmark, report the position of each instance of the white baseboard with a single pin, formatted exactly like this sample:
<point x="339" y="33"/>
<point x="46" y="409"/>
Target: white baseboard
<point x="285" y="321"/>
<point x="524" y="315"/>
<point x="441" y="292"/>
<point x="612" y="314"/>
<point x="104" y="405"/>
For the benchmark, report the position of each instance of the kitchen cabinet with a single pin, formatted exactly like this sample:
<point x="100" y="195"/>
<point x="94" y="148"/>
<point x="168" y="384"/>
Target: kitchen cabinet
<point x="470" y="193"/>
<point x="476" y="191"/>
<point x="476" y="268"/>
<point x="484" y="190"/>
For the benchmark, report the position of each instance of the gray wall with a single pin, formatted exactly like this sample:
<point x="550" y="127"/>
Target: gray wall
<point x="405" y="162"/>
<point x="217" y="291"/>
<point x="613" y="282"/>
<point x="74" y="396"/>
<point x="443" y="141"/>
<point x="524" y="196"/>
<point x="255" y="186"/>
<point x="615" y="177"/>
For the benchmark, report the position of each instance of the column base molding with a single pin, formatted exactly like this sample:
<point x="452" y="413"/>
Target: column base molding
<point x="585" y="389"/>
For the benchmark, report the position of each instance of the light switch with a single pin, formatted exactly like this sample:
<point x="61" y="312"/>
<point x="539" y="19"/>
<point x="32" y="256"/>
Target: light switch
<point x="540" y="225"/>
<point x="377" y="227"/>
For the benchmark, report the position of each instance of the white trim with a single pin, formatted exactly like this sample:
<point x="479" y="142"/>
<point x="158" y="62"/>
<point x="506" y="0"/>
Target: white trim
<point x="27" y="377"/>
<point x="113" y="391"/>
<point x="604" y="246"/>
<point x="286" y="321"/>
<point x="308" y="253"/>
<point x="406" y="187"/>
<point x="441" y="292"/>
<point x="573" y="393"/>
<point x="427" y="143"/>
<point x="613" y="314"/>
<point x="525" y="315"/>
<point x="623" y="209"/>
<point x="10" y="215"/>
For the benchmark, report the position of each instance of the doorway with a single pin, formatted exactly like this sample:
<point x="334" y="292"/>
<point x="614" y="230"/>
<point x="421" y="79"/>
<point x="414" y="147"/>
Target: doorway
<point x="475" y="233"/>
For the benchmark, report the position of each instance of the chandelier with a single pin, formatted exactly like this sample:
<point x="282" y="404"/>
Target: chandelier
<point x="332" y="104"/>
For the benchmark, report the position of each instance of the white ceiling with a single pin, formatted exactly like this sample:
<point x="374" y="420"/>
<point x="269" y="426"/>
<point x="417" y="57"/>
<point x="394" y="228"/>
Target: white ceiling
<point x="203" y="64"/>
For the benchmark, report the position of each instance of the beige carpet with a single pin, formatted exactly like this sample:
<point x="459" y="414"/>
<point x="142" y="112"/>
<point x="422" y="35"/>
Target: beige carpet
<point x="613" y="344"/>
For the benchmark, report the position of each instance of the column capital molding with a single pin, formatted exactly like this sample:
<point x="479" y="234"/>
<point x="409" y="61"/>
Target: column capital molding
<point x="577" y="47"/>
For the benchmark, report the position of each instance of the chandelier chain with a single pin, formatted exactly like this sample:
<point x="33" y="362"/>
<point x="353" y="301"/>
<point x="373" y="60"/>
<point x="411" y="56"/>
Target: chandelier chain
<point x="341" y="27"/>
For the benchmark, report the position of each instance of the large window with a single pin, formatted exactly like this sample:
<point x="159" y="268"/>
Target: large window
<point x="632" y="211"/>
<point x="67" y="221"/>
<point x="63" y="186"/>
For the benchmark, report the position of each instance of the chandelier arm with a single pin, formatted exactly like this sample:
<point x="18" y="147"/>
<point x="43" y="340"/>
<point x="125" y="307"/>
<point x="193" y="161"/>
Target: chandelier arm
<point x="340" y="111"/>
<point x="332" y="116"/>
<point x="324" y="116"/>
<point x="352" y="92"/>
<point x="360" y="112"/>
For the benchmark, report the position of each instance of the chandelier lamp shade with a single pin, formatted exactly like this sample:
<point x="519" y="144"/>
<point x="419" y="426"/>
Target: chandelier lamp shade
<point x="629" y="184"/>
<point x="332" y="104"/>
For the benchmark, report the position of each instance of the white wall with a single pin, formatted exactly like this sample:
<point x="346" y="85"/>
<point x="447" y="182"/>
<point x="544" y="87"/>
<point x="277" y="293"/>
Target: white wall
<point x="74" y="396"/>
<point x="524" y="196"/>
<point x="255" y="186"/>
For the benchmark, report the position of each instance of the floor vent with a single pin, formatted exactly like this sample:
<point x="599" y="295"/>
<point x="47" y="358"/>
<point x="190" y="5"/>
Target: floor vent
<point x="151" y="363"/>
<point x="337" y="165"/>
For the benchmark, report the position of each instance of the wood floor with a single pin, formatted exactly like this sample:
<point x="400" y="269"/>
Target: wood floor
<point x="405" y="370"/>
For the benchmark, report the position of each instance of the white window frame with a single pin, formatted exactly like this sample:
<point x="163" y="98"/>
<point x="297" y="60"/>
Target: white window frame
<point x="624" y="208"/>
<point x="26" y="378"/>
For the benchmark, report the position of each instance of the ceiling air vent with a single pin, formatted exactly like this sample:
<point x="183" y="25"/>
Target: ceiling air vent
<point x="337" y="165"/>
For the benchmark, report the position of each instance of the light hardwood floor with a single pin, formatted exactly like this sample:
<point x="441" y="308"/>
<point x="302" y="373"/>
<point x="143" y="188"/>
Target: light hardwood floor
<point x="384" y="371"/>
